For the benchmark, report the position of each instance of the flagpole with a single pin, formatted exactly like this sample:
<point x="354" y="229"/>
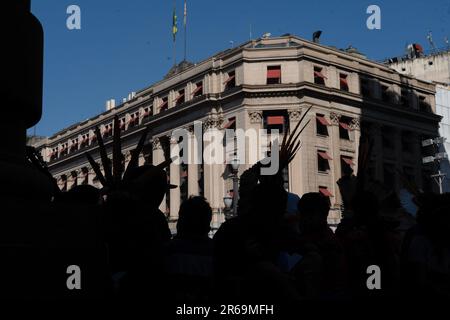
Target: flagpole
<point x="174" y="52"/>
<point x="185" y="29"/>
<point x="174" y="33"/>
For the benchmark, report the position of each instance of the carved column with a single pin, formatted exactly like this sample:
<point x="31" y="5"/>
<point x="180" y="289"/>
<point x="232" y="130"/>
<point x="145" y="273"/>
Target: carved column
<point x="193" y="176"/>
<point x="213" y="181"/>
<point x="174" y="193"/>
<point x="158" y="157"/>
<point x="255" y="122"/>
<point x="336" y="155"/>
<point x="296" y="175"/>
<point x="356" y="127"/>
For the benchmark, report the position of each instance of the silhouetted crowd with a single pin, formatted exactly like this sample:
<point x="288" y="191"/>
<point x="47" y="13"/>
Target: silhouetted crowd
<point x="279" y="248"/>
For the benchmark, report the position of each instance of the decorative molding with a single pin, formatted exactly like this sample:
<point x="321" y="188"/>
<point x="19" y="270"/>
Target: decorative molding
<point x="255" y="116"/>
<point x="334" y="117"/>
<point x="355" y="124"/>
<point x="295" y="114"/>
<point x="214" y="120"/>
<point x="156" y="144"/>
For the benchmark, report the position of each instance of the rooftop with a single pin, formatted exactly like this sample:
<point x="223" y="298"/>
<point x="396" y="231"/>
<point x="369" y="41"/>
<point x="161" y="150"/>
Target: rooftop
<point x="284" y="41"/>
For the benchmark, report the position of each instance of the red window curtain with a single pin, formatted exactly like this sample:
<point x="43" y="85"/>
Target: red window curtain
<point x="323" y="121"/>
<point x="325" y="192"/>
<point x="200" y="87"/>
<point x="273" y="73"/>
<point x="348" y="161"/>
<point x="319" y="74"/>
<point x="272" y="120"/>
<point x="344" y="126"/>
<point x="181" y="96"/>
<point x="324" y="155"/>
<point x="229" y="124"/>
<point x="163" y="105"/>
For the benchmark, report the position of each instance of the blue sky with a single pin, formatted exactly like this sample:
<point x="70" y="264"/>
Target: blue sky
<point x="125" y="46"/>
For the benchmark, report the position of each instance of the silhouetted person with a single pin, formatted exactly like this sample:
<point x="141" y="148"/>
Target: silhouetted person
<point x="81" y="195"/>
<point x="136" y="230"/>
<point x="426" y="250"/>
<point x="247" y="247"/>
<point x="39" y="239"/>
<point x="321" y="271"/>
<point x="189" y="256"/>
<point x="368" y="240"/>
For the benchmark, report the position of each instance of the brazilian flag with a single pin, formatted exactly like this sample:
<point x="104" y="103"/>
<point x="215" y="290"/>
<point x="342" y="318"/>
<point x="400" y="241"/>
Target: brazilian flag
<point x="174" y="24"/>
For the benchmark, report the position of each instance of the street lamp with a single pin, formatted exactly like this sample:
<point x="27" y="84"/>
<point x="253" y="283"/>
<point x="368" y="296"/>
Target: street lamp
<point x="228" y="200"/>
<point x="234" y="165"/>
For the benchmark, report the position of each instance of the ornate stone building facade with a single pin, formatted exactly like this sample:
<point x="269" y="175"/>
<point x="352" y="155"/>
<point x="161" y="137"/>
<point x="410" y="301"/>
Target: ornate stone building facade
<point x="267" y="84"/>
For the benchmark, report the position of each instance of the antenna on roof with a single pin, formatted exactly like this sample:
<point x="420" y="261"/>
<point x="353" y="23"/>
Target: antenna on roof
<point x="430" y="40"/>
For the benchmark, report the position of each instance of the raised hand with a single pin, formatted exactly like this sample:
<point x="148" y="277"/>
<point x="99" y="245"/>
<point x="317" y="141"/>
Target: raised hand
<point x="290" y="145"/>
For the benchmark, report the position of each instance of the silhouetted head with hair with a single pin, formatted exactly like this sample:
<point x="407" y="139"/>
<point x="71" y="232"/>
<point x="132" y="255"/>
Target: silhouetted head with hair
<point x="80" y="195"/>
<point x="313" y="211"/>
<point x="268" y="204"/>
<point x="194" y="218"/>
<point x="366" y="207"/>
<point x="84" y="194"/>
<point x="147" y="183"/>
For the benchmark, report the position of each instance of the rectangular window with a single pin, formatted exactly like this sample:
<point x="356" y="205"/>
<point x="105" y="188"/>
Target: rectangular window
<point x="134" y="120"/>
<point x="122" y="124"/>
<point x="273" y="74"/>
<point x="164" y="104"/>
<point x="180" y="99"/>
<point x="344" y="128"/>
<point x="93" y="138"/>
<point x="74" y="145"/>
<point x="64" y="149"/>
<point x="84" y="140"/>
<point x="54" y="154"/>
<point x="107" y="131"/>
<point x="321" y="125"/>
<point x="147" y="112"/>
<point x="346" y="166"/>
<point x="231" y="124"/>
<point x="198" y="91"/>
<point x="319" y="78"/>
<point x="275" y="120"/>
<point x="231" y="81"/>
<point x="323" y="158"/>
<point x="343" y="82"/>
